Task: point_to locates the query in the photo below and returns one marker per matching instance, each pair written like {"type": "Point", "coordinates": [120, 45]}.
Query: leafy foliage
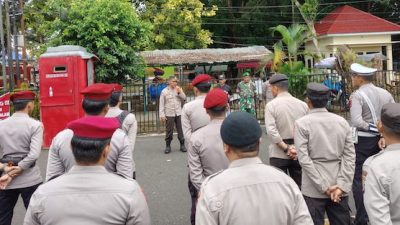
{"type": "Point", "coordinates": [178, 23]}
{"type": "Point", "coordinates": [108, 28]}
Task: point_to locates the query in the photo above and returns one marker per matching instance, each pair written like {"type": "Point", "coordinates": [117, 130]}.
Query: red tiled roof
{"type": "Point", "coordinates": [346, 19]}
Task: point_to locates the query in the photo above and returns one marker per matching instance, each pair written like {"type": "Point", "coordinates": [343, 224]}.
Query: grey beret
{"type": "Point", "coordinates": [277, 78]}
{"type": "Point", "coordinates": [317, 91]}
{"type": "Point", "coordinates": [390, 116]}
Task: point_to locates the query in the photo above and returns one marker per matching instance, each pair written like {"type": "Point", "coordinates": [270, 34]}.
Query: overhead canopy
{"type": "Point", "coordinates": [205, 56]}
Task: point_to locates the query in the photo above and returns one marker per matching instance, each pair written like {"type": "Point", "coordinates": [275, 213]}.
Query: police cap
{"type": "Point", "coordinates": [390, 116]}
{"type": "Point", "coordinates": [362, 70]}
{"type": "Point", "coordinates": [277, 78]}
{"type": "Point", "coordinates": [317, 91]}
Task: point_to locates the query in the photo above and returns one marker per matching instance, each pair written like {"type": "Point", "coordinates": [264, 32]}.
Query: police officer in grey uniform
{"type": "Point", "coordinates": [194, 117]}
{"type": "Point", "coordinates": [326, 154]}
{"type": "Point", "coordinates": [280, 115]}
{"type": "Point", "coordinates": [127, 120]}
{"type": "Point", "coordinates": [21, 139]}
{"type": "Point", "coordinates": [120, 159]}
{"type": "Point", "coordinates": [382, 182]}
{"type": "Point", "coordinates": [88, 194]}
{"type": "Point", "coordinates": [249, 192]}
{"type": "Point", "coordinates": [206, 154]}
{"type": "Point", "coordinates": [365, 110]}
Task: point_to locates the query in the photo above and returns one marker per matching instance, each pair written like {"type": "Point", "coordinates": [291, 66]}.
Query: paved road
{"type": "Point", "coordinates": [163, 178]}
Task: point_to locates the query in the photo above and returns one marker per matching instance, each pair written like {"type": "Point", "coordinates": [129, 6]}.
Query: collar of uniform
{"type": "Point", "coordinates": [245, 161]}
{"type": "Point", "coordinates": [20, 114]}
{"type": "Point", "coordinates": [216, 121]}
{"type": "Point", "coordinates": [88, 169]}
{"type": "Point", "coordinates": [201, 97]}
{"type": "Point", "coordinates": [283, 94]}
{"type": "Point", "coordinates": [317, 110]}
{"type": "Point", "coordinates": [367, 85]}
{"type": "Point", "coordinates": [393, 147]}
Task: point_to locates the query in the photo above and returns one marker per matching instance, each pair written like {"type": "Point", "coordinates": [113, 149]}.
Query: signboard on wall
{"type": "Point", "coordinates": [4, 106]}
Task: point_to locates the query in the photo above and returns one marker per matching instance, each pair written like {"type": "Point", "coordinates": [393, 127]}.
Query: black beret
{"type": "Point", "coordinates": [317, 91]}
{"type": "Point", "coordinates": [277, 78]}
{"type": "Point", "coordinates": [240, 129]}
{"type": "Point", "coordinates": [390, 116]}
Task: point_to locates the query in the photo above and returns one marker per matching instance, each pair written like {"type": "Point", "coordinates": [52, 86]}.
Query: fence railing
{"type": "Point", "coordinates": [138, 99]}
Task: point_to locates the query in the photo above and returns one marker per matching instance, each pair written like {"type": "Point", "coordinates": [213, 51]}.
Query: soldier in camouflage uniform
{"type": "Point", "coordinates": [247, 91]}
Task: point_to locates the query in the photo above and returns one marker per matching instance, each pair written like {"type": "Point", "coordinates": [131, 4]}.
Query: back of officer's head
{"type": "Point", "coordinates": [281, 81]}
{"type": "Point", "coordinates": [241, 133]}
{"type": "Point", "coordinates": [116, 95]}
{"type": "Point", "coordinates": [91, 138]}
{"type": "Point", "coordinates": [202, 83]}
{"type": "Point", "coordinates": [318, 94]}
{"type": "Point", "coordinates": [216, 103]}
{"type": "Point", "coordinates": [390, 120]}
{"type": "Point", "coordinates": [22, 100]}
{"type": "Point", "coordinates": [96, 98]}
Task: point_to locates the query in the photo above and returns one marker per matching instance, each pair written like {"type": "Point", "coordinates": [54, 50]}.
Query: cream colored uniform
{"type": "Point", "coordinates": [129, 126]}
{"type": "Point", "coordinates": [22, 136]}
{"type": "Point", "coordinates": [88, 195]}
{"type": "Point", "coordinates": [206, 154]}
{"type": "Point", "coordinates": [61, 158]}
{"type": "Point", "coordinates": [382, 186]}
{"type": "Point", "coordinates": [249, 192]}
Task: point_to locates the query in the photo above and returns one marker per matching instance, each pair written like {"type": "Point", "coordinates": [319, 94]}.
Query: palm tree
{"type": "Point", "coordinates": [293, 37]}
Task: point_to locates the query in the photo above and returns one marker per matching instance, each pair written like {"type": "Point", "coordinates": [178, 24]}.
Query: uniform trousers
{"type": "Point", "coordinates": [288, 166]}
{"type": "Point", "coordinates": [8, 199]}
{"type": "Point", "coordinates": [338, 213]}
{"type": "Point", "coordinates": [366, 147]}
{"type": "Point", "coordinates": [193, 194]}
{"type": "Point", "coordinates": [170, 123]}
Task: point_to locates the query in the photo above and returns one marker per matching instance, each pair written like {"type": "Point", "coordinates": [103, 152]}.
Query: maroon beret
{"type": "Point", "coordinates": [216, 98]}
{"type": "Point", "coordinates": [99, 91]}
{"type": "Point", "coordinates": [201, 78]}
{"type": "Point", "coordinates": [117, 87]}
{"type": "Point", "coordinates": [94, 127]}
{"type": "Point", "coordinates": [22, 95]}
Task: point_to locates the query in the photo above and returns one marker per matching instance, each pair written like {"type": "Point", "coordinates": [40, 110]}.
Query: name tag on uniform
{"type": "Point", "coordinates": [354, 135]}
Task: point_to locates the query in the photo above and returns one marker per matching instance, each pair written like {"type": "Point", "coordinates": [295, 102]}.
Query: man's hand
{"type": "Point", "coordinates": [4, 181]}
{"type": "Point", "coordinates": [382, 143]}
{"type": "Point", "coordinates": [163, 119]}
{"type": "Point", "coordinates": [14, 171]}
{"type": "Point", "coordinates": [178, 89]}
{"type": "Point", "coordinates": [336, 195]}
{"type": "Point", "coordinates": [292, 153]}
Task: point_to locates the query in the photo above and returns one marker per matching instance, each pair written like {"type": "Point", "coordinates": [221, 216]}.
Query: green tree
{"type": "Point", "coordinates": [110, 29]}
{"type": "Point", "coordinates": [178, 23]}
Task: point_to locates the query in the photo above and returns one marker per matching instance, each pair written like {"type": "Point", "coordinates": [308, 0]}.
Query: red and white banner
{"type": "Point", "coordinates": [4, 106]}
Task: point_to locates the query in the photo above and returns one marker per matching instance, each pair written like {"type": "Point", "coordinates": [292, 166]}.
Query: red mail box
{"type": "Point", "coordinates": [63, 72]}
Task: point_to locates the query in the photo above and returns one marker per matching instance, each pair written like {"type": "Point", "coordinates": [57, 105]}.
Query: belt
{"type": "Point", "coordinates": [366, 134]}
{"type": "Point", "coordinates": [13, 161]}
{"type": "Point", "coordinates": [289, 141]}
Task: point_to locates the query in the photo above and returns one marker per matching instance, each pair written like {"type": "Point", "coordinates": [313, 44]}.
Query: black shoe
{"type": "Point", "coordinates": [167, 149]}
{"type": "Point", "coordinates": [183, 149]}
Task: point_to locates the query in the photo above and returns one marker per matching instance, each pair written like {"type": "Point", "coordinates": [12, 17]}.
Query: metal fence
{"type": "Point", "coordinates": [138, 100]}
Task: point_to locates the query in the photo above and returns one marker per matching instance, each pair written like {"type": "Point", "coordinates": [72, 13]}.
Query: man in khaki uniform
{"type": "Point", "coordinates": [365, 120]}
{"type": "Point", "coordinates": [248, 192]}
{"type": "Point", "coordinates": [280, 115]}
{"type": "Point", "coordinates": [21, 139]}
{"type": "Point", "coordinates": [326, 154]}
{"type": "Point", "coordinates": [127, 120]}
{"type": "Point", "coordinates": [119, 161]}
{"type": "Point", "coordinates": [206, 154]}
{"type": "Point", "coordinates": [170, 110]}
{"type": "Point", "coordinates": [382, 182]}
{"type": "Point", "coordinates": [194, 117]}
{"type": "Point", "coordinates": [88, 194]}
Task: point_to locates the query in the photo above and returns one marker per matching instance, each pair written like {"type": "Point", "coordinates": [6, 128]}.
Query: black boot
{"type": "Point", "coordinates": [167, 148]}
{"type": "Point", "coordinates": [183, 149]}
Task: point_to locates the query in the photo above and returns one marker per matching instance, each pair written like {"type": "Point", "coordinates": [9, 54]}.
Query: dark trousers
{"type": "Point", "coordinates": [170, 123]}
{"type": "Point", "coordinates": [288, 166]}
{"type": "Point", "coordinates": [338, 213]}
{"type": "Point", "coordinates": [193, 194]}
{"type": "Point", "coordinates": [8, 199]}
{"type": "Point", "coordinates": [366, 147]}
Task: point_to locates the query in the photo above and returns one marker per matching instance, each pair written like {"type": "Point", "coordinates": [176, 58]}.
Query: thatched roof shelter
{"type": "Point", "coordinates": [205, 56]}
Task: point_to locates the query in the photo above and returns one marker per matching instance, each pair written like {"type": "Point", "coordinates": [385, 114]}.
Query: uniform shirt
{"type": "Point", "coordinates": [129, 126]}
{"type": "Point", "coordinates": [226, 88]}
{"type": "Point", "coordinates": [194, 116]}
{"type": "Point", "coordinates": [21, 136]}
{"type": "Point", "coordinates": [325, 152]}
{"type": "Point", "coordinates": [171, 102]}
{"type": "Point", "coordinates": [249, 192]}
{"type": "Point", "coordinates": [280, 115]}
{"type": "Point", "coordinates": [88, 195]}
{"type": "Point", "coordinates": [206, 154]}
{"type": "Point", "coordinates": [267, 93]}
{"type": "Point", "coordinates": [61, 158]}
{"type": "Point", "coordinates": [382, 187]}
{"type": "Point", "coordinates": [359, 110]}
